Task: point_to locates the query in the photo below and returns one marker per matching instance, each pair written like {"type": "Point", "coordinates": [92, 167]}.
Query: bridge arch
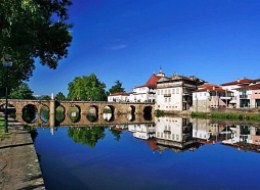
{"type": "Point", "coordinates": [147, 112]}
{"type": "Point", "coordinates": [29, 113]}
{"type": "Point", "coordinates": [44, 113]}
{"type": "Point", "coordinates": [60, 113]}
{"type": "Point", "coordinates": [131, 109]}
{"type": "Point", "coordinates": [109, 113]}
{"type": "Point", "coordinates": [92, 113]}
{"type": "Point", "coordinates": [74, 113]}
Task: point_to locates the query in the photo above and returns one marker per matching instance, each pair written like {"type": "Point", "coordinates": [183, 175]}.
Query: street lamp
{"type": "Point", "coordinates": [7, 63]}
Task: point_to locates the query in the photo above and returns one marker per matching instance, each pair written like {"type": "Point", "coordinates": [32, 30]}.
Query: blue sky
{"type": "Point", "coordinates": [129, 40]}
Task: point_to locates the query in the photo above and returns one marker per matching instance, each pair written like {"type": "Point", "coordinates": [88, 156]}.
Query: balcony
{"type": "Point", "coordinates": [243, 96]}
{"type": "Point", "coordinates": [167, 95]}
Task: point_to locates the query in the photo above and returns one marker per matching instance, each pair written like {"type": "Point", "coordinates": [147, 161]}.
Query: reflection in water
{"type": "Point", "coordinates": [121, 155]}
{"type": "Point", "coordinates": [175, 133]}
{"type": "Point", "coordinates": [131, 117]}
{"type": "Point", "coordinates": [107, 116]}
{"type": "Point", "coordinates": [86, 135]}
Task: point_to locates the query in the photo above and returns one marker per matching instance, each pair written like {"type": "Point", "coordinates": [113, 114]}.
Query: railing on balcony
{"type": "Point", "coordinates": [167, 95]}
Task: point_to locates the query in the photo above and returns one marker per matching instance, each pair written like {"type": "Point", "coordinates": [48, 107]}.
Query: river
{"type": "Point", "coordinates": [167, 153]}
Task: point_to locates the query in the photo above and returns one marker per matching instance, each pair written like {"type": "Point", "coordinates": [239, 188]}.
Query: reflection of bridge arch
{"type": "Point", "coordinates": [84, 106]}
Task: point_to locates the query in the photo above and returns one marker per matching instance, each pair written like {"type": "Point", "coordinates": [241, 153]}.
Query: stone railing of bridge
{"type": "Point", "coordinates": [84, 107]}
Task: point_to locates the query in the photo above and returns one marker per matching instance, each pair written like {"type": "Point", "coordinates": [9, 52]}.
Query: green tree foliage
{"type": "Point", "coordinates": [87, 88]}
{"type": "Point", "coordinates": [87, 136]}
{"type": "Point", "coordinates": [45, 97]}
{"type": "Point", "coordinates": [22, 91]}
{"type": "Point", "coordinates": [60, 96]}
{"type": "Point", "coordinates": [116, 88]}
{"type": "Point", "coordinates": [33, 29]}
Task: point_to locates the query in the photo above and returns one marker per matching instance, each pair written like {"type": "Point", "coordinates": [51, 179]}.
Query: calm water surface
{"type": "Point", "coordinates": [171, 153]}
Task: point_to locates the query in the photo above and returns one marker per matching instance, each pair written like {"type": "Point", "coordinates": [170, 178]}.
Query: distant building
{"type": "Point", "coordinates": [210, 96]}
{"type": "Point", "coordinates": [239, 98]}
{"type": "Point", "coordinates": [249, 96]}
{"type": "Point", "coordinates": [118, 97]}
{"type": "Point", "coordinates": [175, 93]}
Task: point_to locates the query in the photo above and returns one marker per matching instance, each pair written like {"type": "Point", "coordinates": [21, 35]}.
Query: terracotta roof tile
{"type": "Point", "coordinates": [152, 82]}
{"type": "Point", "coordinates": [120, 93]}
{"type": "Point", "coordinates": [238, 82]}
{"type": "Point", "coordinates": [250, 87]}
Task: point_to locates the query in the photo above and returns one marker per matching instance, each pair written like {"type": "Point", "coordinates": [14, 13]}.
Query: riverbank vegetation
{"type": "Point", "coordinates": [228, 115]}
{"type": "Point", "coordinates": [2, 132]}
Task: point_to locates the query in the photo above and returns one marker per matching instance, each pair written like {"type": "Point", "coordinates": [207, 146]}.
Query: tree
{"type": "Point", "coordinates": [87, 88]}
{"type": "Point", "coordinates": [60, 96]}
{"type": "Point", "coordinates": [33, 29]}
{"type": "Point", "coordinates": [116, 88]}
{"type": "Point", "coordinates": [23, 91]}
{"type": "Point", "coordinates": [45, 97]}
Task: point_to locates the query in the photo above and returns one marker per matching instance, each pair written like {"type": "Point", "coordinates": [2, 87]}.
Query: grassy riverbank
{"type": "Point", "coordinates": [2, 132]}
{"type": "Point", "coordinates": [238, 116]}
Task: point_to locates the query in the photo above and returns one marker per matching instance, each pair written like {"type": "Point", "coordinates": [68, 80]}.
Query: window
{"type": "Point", "coordinates": [177, 91]}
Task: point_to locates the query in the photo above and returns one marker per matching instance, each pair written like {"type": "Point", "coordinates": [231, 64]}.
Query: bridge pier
{"type": "Point", "coordinates": [52, 113]}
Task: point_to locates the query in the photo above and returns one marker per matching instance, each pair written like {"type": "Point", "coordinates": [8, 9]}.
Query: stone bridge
{"type": "Point", "coordinates": [119, 111]}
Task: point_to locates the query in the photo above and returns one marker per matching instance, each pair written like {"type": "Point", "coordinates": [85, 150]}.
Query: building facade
{"type": "Point", "coordinates": [175, 93]}
{"type": "Point", "coordinates": [210, 96]}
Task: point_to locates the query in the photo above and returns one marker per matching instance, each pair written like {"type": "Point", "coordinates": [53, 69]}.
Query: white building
{"type": "Point", "coordinates": [233, 86]}
{"type": "Point", "coordinates": [118, 97]}
{"type": "Point", "coordinates": [210, 96]}
{"type": "Point", "coordinates": [175, 93]}
{"type": "Point", "coordinates": [146, 92]}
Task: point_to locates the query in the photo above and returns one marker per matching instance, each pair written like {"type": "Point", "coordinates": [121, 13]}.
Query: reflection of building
{"type": "Point", "coordinates": [244, 137]}
{"type": "Point", "coordinates": [208, 132]}
{"type": "Point", "coordinates": [142, 131]}
{"type": "Point", "coordinates": [174, 133]}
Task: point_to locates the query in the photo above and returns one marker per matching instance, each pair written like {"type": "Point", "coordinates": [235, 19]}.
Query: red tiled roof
{"type": "Point", "coordinates": [208, 85]}
{"type": "Point", "coordinates": [237, 82]}
{"type": "Point", "coordinates": [250, 87]}
{"type": "Point", "coordinates": [212, 88]}
{"type": "Point", "coordinates": [152, 82]}
{"type": "Point", "coordinates": [119, 93]}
